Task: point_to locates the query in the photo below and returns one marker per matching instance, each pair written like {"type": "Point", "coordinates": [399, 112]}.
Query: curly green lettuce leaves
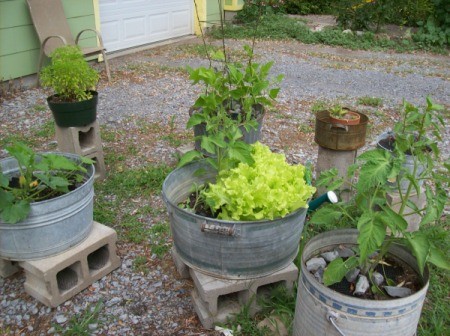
{"type": "Point", "coordinates": [267, 189]}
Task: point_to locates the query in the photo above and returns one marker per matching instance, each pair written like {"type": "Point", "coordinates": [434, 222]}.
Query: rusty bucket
{"type": "Point", "coordinates": [340, 137]}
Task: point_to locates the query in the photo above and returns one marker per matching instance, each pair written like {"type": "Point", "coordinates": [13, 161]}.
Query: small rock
{"type": "Point", "coordinates": [319, 275]}
{"type": "Point", "coordinates": [93, 326]}
{"type": "Point", "coordinates": [362, 285]}
{"type": "Point", "coordinates": [113, 301]}
{"type": "Point", "coordinates": [359, 33]}
{"type": "Point", "coordinates": [352, 274]}
{"type": "Point", "coordinates": [61, 319]}
{"type": "Point", "coordinates": [399, 292]}
{"type": "Point", "coordinates": [330, 256]}
{"type": "Point", "coordinates": [347, 31]}
{"type": "Point", "coordinates": [314, 264]}
{"type": "Point", "coordinates": [345, 252]}
{"type": "Point", "coordinates": [377, 278]}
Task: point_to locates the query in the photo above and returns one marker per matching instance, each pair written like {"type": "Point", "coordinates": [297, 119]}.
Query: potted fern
{"type": "Point", "coordinates": [375, 277]}
{"type": "Point", "coordinates": [74, 102]}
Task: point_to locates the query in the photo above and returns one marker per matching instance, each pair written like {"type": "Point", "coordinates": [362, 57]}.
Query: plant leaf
{"type": "Point", "coordinates": [189, 157]}
{"type": "Point", "coordinates": [438, 258]}
{"type": "Point", "coordinates": [337, 269]}
{"type": "Point", "coordinates": [372, 232]}
{"type": "Point", "coordinates": [16, 212]}
{"type": "Point", "coordinates": [420, 247]}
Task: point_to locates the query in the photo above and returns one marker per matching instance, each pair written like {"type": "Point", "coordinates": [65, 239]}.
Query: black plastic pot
{"type": "Point", "coordinates": [77, 114]}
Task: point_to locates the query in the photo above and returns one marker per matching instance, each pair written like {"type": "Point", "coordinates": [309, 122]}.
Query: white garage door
{"type": "Point", "coordinates": [131, 23]}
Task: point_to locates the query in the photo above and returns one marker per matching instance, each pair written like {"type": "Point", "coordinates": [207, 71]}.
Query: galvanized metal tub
{"type": "Point", "coordinates": [228, 249]}
{"type": "Point", "coordinates": [319, 309]}
{"type": "Point", "coordinates": [340, 137]}
{"type": "Point", "coordinates": [52, 226]}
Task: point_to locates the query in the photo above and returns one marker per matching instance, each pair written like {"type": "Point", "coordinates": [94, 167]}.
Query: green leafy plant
{"type": "Point", "coordinates": [378, 224]}
{"type": "Point", "coordinates": [69, 75]}
{"type": "Point", "coordinates": [41, 177]}
{"type": "Point", "coordinates": [235, 97]}
{"type": "Point", "coordinates": [267, 189]}
{"type": "Point", "coordinates": [337, 111]}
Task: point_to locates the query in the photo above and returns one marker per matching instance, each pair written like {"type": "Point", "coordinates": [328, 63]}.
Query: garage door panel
{"type": "Point", "coordinates": [180, 19]}
{"type": "Point", "coordinates": [129, 23]}
{"type": "Point", "coordinates": [134, 27]}
{"type": "Point", "coordinates": [159, 23]}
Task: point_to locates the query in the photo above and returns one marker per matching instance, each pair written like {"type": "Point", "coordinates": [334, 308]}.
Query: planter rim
{"type": "Point", "coordinates": [353, 300]}
{"type": "Point", "coordinates": [202, 163]}
{"type": "Point", "coordinates": [49, 98]}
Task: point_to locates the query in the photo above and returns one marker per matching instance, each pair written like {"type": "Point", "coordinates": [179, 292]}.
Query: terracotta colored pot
{"type": "Point", "coordinates": [350, 118]}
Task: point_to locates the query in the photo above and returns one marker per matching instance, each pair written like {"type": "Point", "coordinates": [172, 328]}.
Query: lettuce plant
{"type": "Point", "coordinates": [267, 189]}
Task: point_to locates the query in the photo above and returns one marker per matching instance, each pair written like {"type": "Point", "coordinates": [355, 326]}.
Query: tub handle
{"type": "Point", "coordinates": [332, 317]}
{"type": "Point", "coordinates": [217, 229]}
{"type": "Point", "coordinates": [344, 127]}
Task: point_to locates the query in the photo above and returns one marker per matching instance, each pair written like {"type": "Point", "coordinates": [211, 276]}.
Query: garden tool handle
{"type": "Point", "coordinates": [332, 317]}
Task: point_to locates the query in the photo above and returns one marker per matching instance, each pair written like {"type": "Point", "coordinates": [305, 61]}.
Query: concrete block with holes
{"type": "Point", "coordinates": [8, 268]}
{"type": "Point", "coordinates": [56, 279]}
{"type": "Point", "coordinates": [216, 299]}
{"type": "Point", "coordinates": [394, 201]}
{"type": "Point", "coordinates": [85, 141]}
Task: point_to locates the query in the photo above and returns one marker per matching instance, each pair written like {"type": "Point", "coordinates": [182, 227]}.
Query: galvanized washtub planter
{"type": "Point", "coordinates": [52, 226]}
{"type": "Point", "coordinates": [228, 249]}
{"type": "Point", "coordinates": [319, 309]}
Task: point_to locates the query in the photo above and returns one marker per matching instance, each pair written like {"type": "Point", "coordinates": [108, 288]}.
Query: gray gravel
{"type": "Point", "coordinates": [158, 303]}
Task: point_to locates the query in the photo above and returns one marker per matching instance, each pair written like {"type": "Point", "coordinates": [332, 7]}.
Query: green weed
{"type": "Point", "coordinates": [39, 108]}
{"type": "Point", "coordinates": [79, 324]}
{"type": "Point", "coordinates": [319, 106]}
{"type": "Point", "coordinates": [370, 101]}
{"type": "Point", "coordinates": [140, 264]}
{"type": "Point", "coordinates": [47, 130]}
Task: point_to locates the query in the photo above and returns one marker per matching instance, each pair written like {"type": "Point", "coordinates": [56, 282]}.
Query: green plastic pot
{"type": "Point", "coordinates": [77, 114]}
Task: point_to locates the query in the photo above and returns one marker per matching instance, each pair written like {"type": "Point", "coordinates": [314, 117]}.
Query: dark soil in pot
{"type": "Point", "coordinates": [399, 273]}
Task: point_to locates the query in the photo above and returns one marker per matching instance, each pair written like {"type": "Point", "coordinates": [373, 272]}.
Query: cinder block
{"type": "Point", "coordinates": [341, 160]}
{"type": "Point", "coordinates": [394, 200]}
{"type": "Point", "coordinates": [8, 268]}
{"type": "Point", "coordinates": [85, 141]}
{"type": "Point", "coordinates": [79, 140]}
{"type": "Point", "coordinates": [227, 308]}
{"type": "Point", "coordinates": [182, 268]}
{"type": "Point", "coordinates": [56, 279]}
{"type": "Point", "coordinates": [216, 299]}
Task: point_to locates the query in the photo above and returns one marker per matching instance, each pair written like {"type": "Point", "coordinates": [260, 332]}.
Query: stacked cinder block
{"type": "Point", "coordinates": [55, 279]}
{"type": "Point", "coordinates": [216, 299]}
{"type": "Point", "coordinates": [85, 141]}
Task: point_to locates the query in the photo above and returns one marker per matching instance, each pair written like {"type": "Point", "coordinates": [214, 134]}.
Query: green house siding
{"type": "Point", "coordinates": [19, 44]}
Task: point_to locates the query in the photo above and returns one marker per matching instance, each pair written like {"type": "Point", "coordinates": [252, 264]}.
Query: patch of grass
{"type": "Point", "coordinates": [319, 106]}
{"type": "Point", "coordinates": [121, 201]}
{"type": "Point", "coordinates": [78, 325]}
{"type": "Point", "coordinates": [305, 128]}
{"type": "Point", "coordinates": [370, 101]}
{"type": "Point", "coordinates": [281, 27]}
{"type": "Point", "coordinates": [140, 264]}
{"type": "Point", "coordinates": [159, 234]}
{"type": "Point", "coordinates": [47, 130]}
{"type": "Point", "coordinates": [39, 108]}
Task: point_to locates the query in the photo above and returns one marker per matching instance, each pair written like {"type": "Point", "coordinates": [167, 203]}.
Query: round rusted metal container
{"type": "Point", "coordinates": [340, 137]}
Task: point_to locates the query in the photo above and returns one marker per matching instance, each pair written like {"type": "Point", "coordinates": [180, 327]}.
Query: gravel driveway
{"type": "Point", "coordinates": [150, 86]}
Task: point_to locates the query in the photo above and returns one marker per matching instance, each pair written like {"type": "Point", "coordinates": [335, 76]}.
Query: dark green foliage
{"type": "Point", "coordinates": [304, 7]}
